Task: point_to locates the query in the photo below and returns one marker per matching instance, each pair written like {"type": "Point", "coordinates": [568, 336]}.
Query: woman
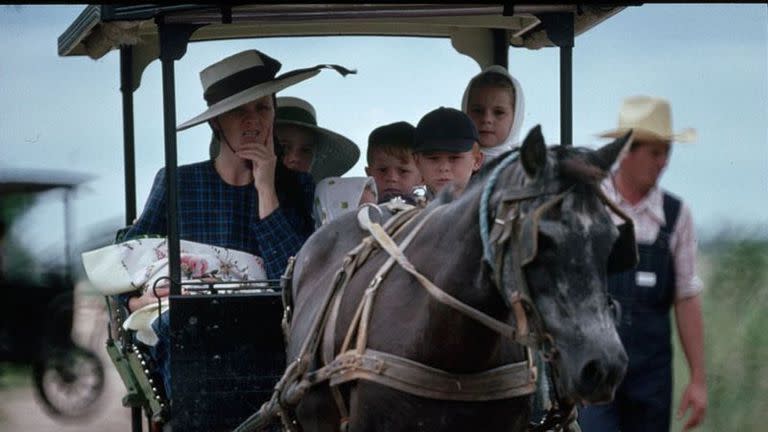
{"type": "Point", "coordinates": [243, 199]}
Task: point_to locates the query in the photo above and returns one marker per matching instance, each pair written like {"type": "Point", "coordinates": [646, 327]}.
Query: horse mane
{"type": "Point", "coordinates": [576, 167]}
{"type": "Point", "coordinates": [481, 175]}
{"type": "Point", "coordinates": [572, 164]}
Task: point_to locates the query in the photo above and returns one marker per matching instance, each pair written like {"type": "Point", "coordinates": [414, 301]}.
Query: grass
{"type": "Point", "coordinates": [734, 305]}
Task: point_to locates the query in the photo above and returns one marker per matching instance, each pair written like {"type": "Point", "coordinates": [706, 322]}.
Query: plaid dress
{"type": "Point", "coordinates": [216, 213]}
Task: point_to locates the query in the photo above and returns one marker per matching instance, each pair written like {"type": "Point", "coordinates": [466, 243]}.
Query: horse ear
{"type": "Point", "coordinates": [533, 153]}
{"type": "Point", "coordinates": [605, 156]}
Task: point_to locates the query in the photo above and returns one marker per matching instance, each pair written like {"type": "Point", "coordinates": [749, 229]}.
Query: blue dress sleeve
{"type": "Point", "coordinates": [151, 221]}
{"type": "Point", "coordinates": [281, 234]}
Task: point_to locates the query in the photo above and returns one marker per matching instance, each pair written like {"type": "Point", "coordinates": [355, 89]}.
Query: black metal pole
{"type": "Point", "coordinates": [566, 95]}
{"type": "Point", "coordinates": [129, 153]}
{"type": "Point", "coordinates": [501, 47]}
{"type": "Point", "coordinates": [171, 183]}
{"type": "Point", "coordinates": [560, 29]}
{"type": "Point", "coordinates": [173, 45]}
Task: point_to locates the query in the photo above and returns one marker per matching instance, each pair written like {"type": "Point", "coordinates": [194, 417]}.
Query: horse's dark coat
{"type": "Point", "coordinates": [567, 283]}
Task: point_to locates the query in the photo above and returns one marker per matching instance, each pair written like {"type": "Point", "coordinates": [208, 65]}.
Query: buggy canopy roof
{"type": "Point", "coordinates": [100, 29]}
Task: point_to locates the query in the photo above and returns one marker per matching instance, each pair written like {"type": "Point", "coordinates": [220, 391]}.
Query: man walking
{"type": "Point", "coordinates": [664, 279]}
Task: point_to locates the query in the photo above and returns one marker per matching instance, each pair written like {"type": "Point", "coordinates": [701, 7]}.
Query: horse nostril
{"type": "Point", "coordinates": [598, 378]}
{"type": "Point", "coordinates": [592, 376]}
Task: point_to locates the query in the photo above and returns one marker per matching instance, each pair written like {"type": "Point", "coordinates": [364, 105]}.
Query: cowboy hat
{"type": "Point", "coordinates": [649, 118]}
{"type": "Point", "coordinates": [334, 154]}
{"type": "Point", "coordinates": [246, 77]}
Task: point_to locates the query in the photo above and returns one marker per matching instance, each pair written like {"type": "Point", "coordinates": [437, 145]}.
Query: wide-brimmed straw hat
{"type": "Point", "coordinates": [334, 153]}
{"type": "Point", "coordinates": [246, 77]}
{"type": "Point", "coordinates": [649, 118]}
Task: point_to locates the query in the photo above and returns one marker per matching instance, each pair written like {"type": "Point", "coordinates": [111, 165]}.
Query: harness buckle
{"type": "Point", "coordinates": [375, 282]}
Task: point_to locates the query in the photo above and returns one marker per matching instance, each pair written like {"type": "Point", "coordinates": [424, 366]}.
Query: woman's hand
{"type": "Point", "coordinates": [149, 297]}
{"type": "Point", "coordinates": [264, 161]}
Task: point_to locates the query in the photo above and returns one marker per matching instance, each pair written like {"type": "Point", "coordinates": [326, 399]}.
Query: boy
{"type": "Point", "coordinates": [446, 150]}
{"type": "Point", "coordinates": [390, 160]}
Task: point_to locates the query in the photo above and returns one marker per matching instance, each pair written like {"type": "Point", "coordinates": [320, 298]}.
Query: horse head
{"type": "Point", "coordinates": [551, 244]}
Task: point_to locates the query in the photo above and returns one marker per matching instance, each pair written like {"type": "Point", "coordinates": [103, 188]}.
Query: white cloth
{"type": "Point", "coordinates": [648, 217]}
{"type": "Point", "coordinates": [513, 139]}
{"type": "Point", "coordinates": [335, 196]}
{"type": "Point", "coordinates": [141, 321]}
{"type": "Point", "coordinates": [140, 263]}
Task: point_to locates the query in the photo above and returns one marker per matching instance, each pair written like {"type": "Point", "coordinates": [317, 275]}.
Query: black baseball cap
{"type": "Point", "coordinates": [445, 129]}
{"type": "Point", "coordinates": [393, 133]}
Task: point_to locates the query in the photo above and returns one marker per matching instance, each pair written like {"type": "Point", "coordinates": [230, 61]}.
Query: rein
{"type": "Point", "coordinates": [483, 209]}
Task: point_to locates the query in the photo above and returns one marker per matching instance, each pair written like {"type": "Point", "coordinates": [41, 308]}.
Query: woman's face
{"type": "Point", "coordinates": [298, 147]}
{"type": "Point", "coordinates": [247, 124]}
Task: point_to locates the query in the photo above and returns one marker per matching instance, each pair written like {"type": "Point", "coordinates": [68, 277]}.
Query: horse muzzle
{"type": "Point", "coordinates": [595, 378]}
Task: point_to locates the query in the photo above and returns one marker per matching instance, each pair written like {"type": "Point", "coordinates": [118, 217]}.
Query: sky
{"type": "Point", "coordinates": [710, 61]}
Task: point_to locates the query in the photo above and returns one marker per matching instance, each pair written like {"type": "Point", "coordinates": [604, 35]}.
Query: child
{"type": "Point", "coordinates": [307, 147]}
{"type": "Point", "coordinates": [390, 160]}
{"type": "Point", "coordinates": [446, 150]}
{"type": "Point", "coordinates": [335, 196]}
{"type": "Point", "coordinates": [494, 101]}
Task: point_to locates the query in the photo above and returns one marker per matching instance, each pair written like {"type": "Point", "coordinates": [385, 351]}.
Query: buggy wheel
{"type": "Point", "coordinates": [69, 382]}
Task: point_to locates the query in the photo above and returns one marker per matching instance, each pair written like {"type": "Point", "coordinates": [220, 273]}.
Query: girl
{"type": "Point", "coordinates": [494, 100]}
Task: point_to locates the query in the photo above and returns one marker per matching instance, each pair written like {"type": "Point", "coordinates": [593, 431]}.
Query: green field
{"type": "Point", "coordinates": [734, 302]}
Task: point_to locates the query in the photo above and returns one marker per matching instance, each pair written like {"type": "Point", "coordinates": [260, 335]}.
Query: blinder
{"type": "Point", "coordinates": [623, 255]}
{"type": "Point", "coordinates": [525, 228]}
{"type": "Point", "coordinates": [528, 240]}
{"type": "Point", "coordinates": [522, 231]}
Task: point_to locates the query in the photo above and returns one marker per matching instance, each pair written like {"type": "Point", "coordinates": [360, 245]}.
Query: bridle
{"type": "Point", "coordinates": [511, 224]}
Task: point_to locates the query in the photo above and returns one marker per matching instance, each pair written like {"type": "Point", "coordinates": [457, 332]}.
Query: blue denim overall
{"type": "Point", "coordinates": [643, 400]}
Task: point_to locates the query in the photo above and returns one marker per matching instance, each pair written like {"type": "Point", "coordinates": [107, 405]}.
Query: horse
{"type": "Point", "coordinates": [518, 261]}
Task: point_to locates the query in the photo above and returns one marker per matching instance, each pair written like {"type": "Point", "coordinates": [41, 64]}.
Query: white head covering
{"type": "Point", "coordinates": [335, 196]}
{"type": "Point", "coordinates": [517, 121]}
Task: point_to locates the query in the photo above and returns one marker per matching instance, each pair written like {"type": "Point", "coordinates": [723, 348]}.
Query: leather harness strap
{"type": "Point", "coordinates": [508, 381]}
{"type": "Point", "coordinates": [396, 253]}
{"type": "Point", "coordinates": [406, 375]}
{"type": "Point", "coordinates": [360, 362]}
{"type": "Point", "coordinates": [396, 224]}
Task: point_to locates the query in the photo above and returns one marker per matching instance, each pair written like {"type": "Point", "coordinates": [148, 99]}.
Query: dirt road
{"type": "Point", "coordinates": [21, 412]}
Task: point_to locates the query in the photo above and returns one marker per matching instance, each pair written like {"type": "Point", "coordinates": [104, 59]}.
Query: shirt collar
{"type": "Point", "coordinates": [652, 203]}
